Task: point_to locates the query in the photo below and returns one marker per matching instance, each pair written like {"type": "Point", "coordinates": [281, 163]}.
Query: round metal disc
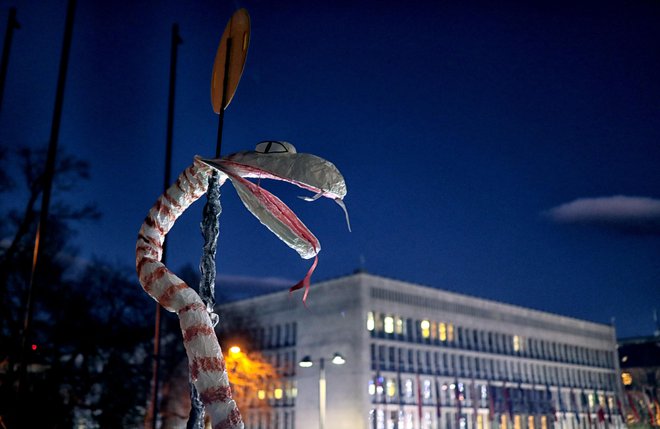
{"type": "Point", "coordinates": [238, 31]}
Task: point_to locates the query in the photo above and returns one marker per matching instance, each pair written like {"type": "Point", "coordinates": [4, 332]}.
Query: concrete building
{"type": "Point", "coordinates": [420, 358]}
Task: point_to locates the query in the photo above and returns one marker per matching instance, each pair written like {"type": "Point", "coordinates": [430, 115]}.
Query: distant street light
{"type": "Point", "coordinates": [307, 362]}
{"type": "Point", "coordinates": [234, 350]}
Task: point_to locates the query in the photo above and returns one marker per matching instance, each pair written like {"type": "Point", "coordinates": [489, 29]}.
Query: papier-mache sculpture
{"type": "Point", "coordinates": [271, 160]}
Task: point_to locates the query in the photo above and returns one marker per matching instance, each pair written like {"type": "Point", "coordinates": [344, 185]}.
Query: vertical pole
{"type": "Point", "coordinates": [12, 24]}
{"type": "Point", "coordinates": [210, 231]}
{"type": "Point", "coordinates": [212, 208]}
{"type": "Point", "coordinates": [322, 394]}
{"type": "Point", "coordinates": [221, 114]}
{"type": "Point", "coordinates": [47, 184]}
{"type": "Point", "coordinates": [155, 382]}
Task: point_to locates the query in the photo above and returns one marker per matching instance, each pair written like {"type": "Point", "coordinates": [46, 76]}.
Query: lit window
{"type": "Point", "coordinates": [408, 388]}
{"type": "Point", "coordinates": [291, 390]}
{"type": "Point", "coordinates": [426, 389]}
{"type": "Point", "coordinates": [517, 423]}
{"type": "Point", "coordinates": [277, 393]}
{"type": "Point", "coordinates": [426, 328]}
{"type": "Point", "coordinates": [399, 326]}
{"type": "Point", "coordinates": [372, 388]}
{"type": "Point", "coordinates": [434, 330]}
{"type": "Point", "coordinates": [544, 422]}
{"type": "Point", "coordinates": [409, 420]}
{"type": "Point", "coordinates": [371, 324]}
{"type": "Point", "coordinates": [442, 330]}
{"type": "Point", "coordinates": [626, 378]}
{"type": "Point", "coordinates": [391, 388]}
{"type": "Point", "coordinates": [379, 385]}
{"type": "Point", "coordinates": [450, 332]}
{"type": "Point", "coordinates": [261, 394]}
{"type": "Point", "coordinates": [516, 343]}
{"type": "Point", "coordinates": [388, 324]}
{"type": "Point", "coordinates": [428, 421]}
{"type": "Point", "coordinates": [503, 421]}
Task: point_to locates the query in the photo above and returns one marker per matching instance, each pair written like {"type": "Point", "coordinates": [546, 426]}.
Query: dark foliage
{"type": "Point", "coordinates": [88, 350]}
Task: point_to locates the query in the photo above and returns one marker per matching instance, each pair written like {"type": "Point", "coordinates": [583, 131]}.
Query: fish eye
{"type": "Point", "coordinates": [275, 147]}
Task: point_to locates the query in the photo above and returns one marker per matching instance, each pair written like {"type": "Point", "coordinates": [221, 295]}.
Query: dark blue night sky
{"type": "Point", "coordinates": [503, 150]}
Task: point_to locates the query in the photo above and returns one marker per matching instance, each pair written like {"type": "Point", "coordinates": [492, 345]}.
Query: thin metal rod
{"type": "Point", "coordinates": [210, 231]}
{"type": "Point", "coordinates": [12, 24]}
{"type": "Point", "coordinates": [212, 208]}
{"type": "Point", "coordinates": [49, 173]}
{"type": "Point", "coordinates": [155, 382]}
{"type": "Point", "coordinates": [221, 114]}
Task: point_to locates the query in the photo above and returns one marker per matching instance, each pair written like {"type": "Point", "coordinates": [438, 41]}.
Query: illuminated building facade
{"type": "Point", "coordinates": [423, 358]}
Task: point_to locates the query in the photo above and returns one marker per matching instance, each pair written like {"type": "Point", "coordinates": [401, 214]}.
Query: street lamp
{"type": "Point", "coordinates": [307, 362]}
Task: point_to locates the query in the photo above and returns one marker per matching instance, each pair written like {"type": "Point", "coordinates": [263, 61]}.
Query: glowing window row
{"type": "Point", "coordinates": [288, 390]}
{"type": "Point", "coordinates": [444, 332]}
{"type": "Point", "coordinates": [396, 325]}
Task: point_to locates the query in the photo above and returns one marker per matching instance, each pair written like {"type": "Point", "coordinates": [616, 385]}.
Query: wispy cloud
{"type": "Point", "coordinates": [624, 213]}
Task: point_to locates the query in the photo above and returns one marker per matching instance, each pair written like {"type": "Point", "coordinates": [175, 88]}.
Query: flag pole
{"type": "Point", "coordinates": [49, 173]}
{"type": "Point", "coordinates": [155, 381]}
{"type": "Point", "coordinates": [12, 24]}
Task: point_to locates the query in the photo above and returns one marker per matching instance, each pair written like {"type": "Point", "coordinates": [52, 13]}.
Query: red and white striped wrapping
{"type": "Point", "coordinates": [207, 365]}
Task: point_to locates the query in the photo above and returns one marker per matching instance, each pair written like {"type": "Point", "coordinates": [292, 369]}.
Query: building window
{"type": "Point", "coordinates": [409, 331]}
{"type": "Point", "coordinates": [626, 378]}
{"type": "Point", "coordinates": [516, 343]}
{"type": "Point", "coordinates": [450, 332]}
{"type": "Point", "coordinates": [399, 326]}
{"type": "Point", "coordinates": [427, 423]}
{"type": "Point", "coordinates": [408, 388]}
{"type": "Point", "coordinates": [425, 326]}
{"type": "Point", "coordinates": [480, 421]}
{"type": "Point", "coordinates": [391, 387]}
{"type": "Point", "coordinates": [379, 417]}
{"type": "Point", "coordinates": [517, 422]}
{"type": "Point", "coordinates": [426, 389]}
{"type": "Point", "coordinates": [371, 323]}
{"type": "Point", "coordinates": [503, 421]}
{"type": "Point", "coordinates": [442, 331]}
{"type": "Point", "coordinates": [388, 324]}
{"type": "Point", "coordinates": [409, 420]}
